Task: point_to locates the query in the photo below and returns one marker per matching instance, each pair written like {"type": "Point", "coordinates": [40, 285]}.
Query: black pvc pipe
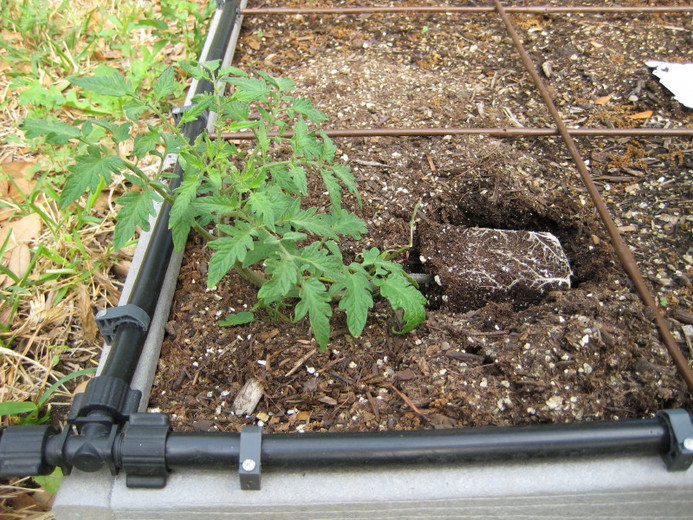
{"type": "Point", "coordinates": [127, 345]}
{"type": "Point", "coordinates": [221, 450]}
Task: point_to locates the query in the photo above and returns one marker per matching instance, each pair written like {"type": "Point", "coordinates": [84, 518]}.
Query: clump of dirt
{"type": "Point", "coordinates": [476, 266]}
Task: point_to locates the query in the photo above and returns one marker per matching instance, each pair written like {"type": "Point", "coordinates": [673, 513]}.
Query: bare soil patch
{"type": "Point", "coordinates": [587, 352]}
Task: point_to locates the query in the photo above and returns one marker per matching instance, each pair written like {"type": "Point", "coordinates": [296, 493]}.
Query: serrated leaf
{"type": "Point", "coordinates": [195, 71]}
{"type": "Point", "coordinates": [87, 171]}
{"type": "Point", "coordinates": [314, 301]}
{"type": "Point", "coordinates": [334, 189]}
{"type": "Point", "coordinates": [306, 108]}
{"type": "Point", "coordinates": [229, 250]}
{"type": "Point", "coordinates": [312, 222]}
{"type": "Point", "coordinates": [344, 174]}
{"type": "Point", "coordinates": [345, 223]}
{"type": "Point", "coordinates": [248, 89]}
{"type": "Point", "coordinates": [298, 175]}
{"type": "Point", "coordinates": [328, 148]}
{"type": "Point", "coordinates": [281, 84]}
{"type": "Point", "coordinates": [138, 206]}
{"type": "Point", "coordinates": [113, 84]}
{"type": "Point", "coordinates": [233, 71]}
{"type": "Point", "coordinates": [284, 277]}
{"type": "Point", "coordinates": [146, 143]}
{"type": "Point", "coordinates": [403, 295]}
{"type": "Point", "coordinates": [240, 318]}
{"type": "Point", "coordinates": [304, 144]}
{"type": "Point", "coordinates": [119, 133]}
{"type": "Point", "coordinates": [165, 85]}
{"type": "Point", "coordinates": [236, 111]}
{"type": "Point", "coordinates": [133, 109]}
{"type": "Point", "coordinates": [319, 262]}
{"type": "Point", "coordinates": [219, 205]}
{"type": "Point", "coordinates": [195, 111]}
{"type": "Point", "coordinates": [54, 132]}
{"type": "Point", "coordinates": [261, 204]}
{"type": "Point", "coordinates": [184, 196]}
{"type": "Point", "coordinates": [356, 301]}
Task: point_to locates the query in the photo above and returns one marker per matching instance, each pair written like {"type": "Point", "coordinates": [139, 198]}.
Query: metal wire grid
{"type": "Point", "coordinates": [623, 252]}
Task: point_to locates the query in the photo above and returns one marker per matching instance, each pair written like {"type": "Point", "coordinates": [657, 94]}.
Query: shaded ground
{"type": "Point", "coordinates": [584, 353]}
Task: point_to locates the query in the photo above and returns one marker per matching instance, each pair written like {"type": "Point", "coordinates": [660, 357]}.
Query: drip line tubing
{"type": "Point", "coordinates": [493, 132]}
{"type": "Point", "coordinates": [464, 9]}
{"type": "Point", "coordinates": [124, 354]}
{"type": "Point", "coordinates": [221, 450]}
{"type": "Point", "coordinates": [623, 252]}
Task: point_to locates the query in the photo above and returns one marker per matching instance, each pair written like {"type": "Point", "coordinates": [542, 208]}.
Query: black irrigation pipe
{"type": "Point", "coordinates": [105, 429]}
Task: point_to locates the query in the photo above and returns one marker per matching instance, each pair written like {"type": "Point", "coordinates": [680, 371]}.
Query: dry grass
{"type": "Point", "coordinates": [68, 269]}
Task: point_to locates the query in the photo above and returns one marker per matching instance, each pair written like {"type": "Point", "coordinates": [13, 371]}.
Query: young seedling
{"type": "Point", "coordinates": [249, 204]}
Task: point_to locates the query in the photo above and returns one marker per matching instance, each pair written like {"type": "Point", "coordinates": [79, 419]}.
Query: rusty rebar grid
{"type": "Point", "coordinates": [645, 9]}
{"type": "Point", "coordinates": [622, 250]}
{"type": "Point", "coordinates": [491, 132]}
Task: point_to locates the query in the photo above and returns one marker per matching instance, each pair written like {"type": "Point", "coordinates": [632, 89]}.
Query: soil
{"type": "Point", "coordinates": [585, 352]}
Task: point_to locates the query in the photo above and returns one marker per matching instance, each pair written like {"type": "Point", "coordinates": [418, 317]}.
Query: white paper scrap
{"type": "Point", "coordinates": [677, 77]}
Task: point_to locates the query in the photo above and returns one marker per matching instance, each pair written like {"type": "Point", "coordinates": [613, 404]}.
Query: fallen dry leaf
{"type": "Point", "coordinates": [18, 262]}
{"type": "Point", "coordinates": [86, 314]}
{"type": "Point", "coordinates": [23, 230]}
{"type": "Point", "coordinates": [642, 115]}
{"type": "Point", "coordinates": [602, 100]}
{"type": "Point", "coordinates": [21, 184]}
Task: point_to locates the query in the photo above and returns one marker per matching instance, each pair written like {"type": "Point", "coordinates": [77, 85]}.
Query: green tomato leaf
{"type": "Point", "coordinates": [221, 205]}
{"type": "Point", "coordinates": [343, 173]}
{"type": "Point", "coordinates": [328, 148]}
{"type": "Point", "coordinates": [113, 84]}
{"type": "Point", "coordinates": [87, 171]}
{"type": "Point", "coordinates": [313, 222]}
{"type": "Point", "coordinates": [262, 205]}
{"type": "Point", "coordinates": [306, 108]}
{"type": "Point", "coordinates": [138, 206]}
{"type": "Point", "coordinates": [303, 142]}
{"type": "Point", "coordinates": [248, 89]}
{"type": "Point", "coordinates": [54, 131]}
{"type": "Point", "coordinates": [356, 300]}
{"type": "Point", "coordinates": [281, 84]}
{"type": "Point", "coordinates": [284, 277]}
{"type": "Point", "coordinates": [229, 250]}
{"type": "Point", "coordinates": [146, 143]}
{"type": "Point", "coordinates": [345, 223]}
{"type": "Point", "coordinates": [240, 318]}
{"type": "Point", "coordinates": [165, 85]}
{"type": "Point", "coordinates": [315, 301]}
{"type": "Point", "coordinates": [403, 295]}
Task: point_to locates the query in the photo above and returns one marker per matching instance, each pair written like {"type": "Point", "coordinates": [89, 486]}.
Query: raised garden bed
{"type": "Point", "coordinates": [584, 353]}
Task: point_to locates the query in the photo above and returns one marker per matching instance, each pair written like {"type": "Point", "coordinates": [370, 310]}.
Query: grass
{"type": "Point", "coordinates": [56, 266]}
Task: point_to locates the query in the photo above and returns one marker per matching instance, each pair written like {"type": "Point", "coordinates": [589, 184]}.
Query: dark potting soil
{"type": "Point", "coordinates": [585, 352]}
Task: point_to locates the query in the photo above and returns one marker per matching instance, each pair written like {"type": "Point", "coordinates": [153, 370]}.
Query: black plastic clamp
{"type": "Point", "coordinates": [679, 456]}
{"type": "Point", "coordinates": [143, 450]}
{"type": "Point", "coordinates": [22, 451]}
{"type": "Point", "coordinates": [249, 457]}
{"type": "Point", "coordinates": [106, 394]}
{"type": "Point", "coordinates": [108, 320]}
